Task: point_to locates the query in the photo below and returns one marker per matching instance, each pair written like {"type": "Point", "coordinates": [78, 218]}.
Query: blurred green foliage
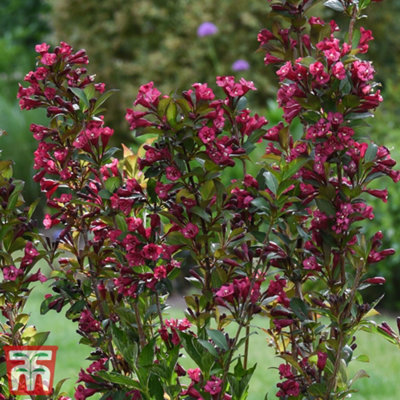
{"type": "Point", "coordinates": [132, 42]}
{"type": "Point", "coordinates": [23, 24]}
{"type": "Point", "coordinates": [18, 144]}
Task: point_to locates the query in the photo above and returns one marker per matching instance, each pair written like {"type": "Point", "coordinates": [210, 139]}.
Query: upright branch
{"type": "Point", "coordinates": [277, 236]}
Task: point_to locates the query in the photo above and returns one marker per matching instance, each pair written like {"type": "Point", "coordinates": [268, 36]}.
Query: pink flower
{"type": "Point", "coordinates": [288, 388]}
{"type": "Point", "coordinates": [48, 58]}
{"type": "Point", "coordinates": [42, 48]}
{"type": "Point", "coordinates": [180, 324]}
{"type": "Point", "coordinates": [366, 36]}
{"type": "Point", "coordinates": [206, 134]}
{"type": "Point", "coordinates": [250, 181]}
{"type": "Point", "coordinates": [338, 70]}
{"type": "Point", "coordinates": [282, 323]}
{"type": "Point", "coordinates": [151, 251]}
{"type": "Point", "coordinates": [87, 323]}
{"type": "Point", "coordinates": [377, 280]}
{"type": "Point", "coordinates": [203, 92]}
{"type": "Point", "coordinates": [311, 264]}
{"type": "Point", "coordinates": [265, 36]}
{"type": "Point", "coordinates": [172, 173]}
{"type": "Point", "coordinates": [162, 190]}
{"type": "Point", "coordinates": [316, 21]}
{"type": "Point", "coordinates": [285, 371]}
{"type": "Point", "coordinates": [11, 273]}
{"type": "Point", "coordinates": [37, 276]}
{"type": "Point", "coordinates": [160, 272]}
{"type": "Point", "coordinates": [148, 95]}
{"type": "Point", "coordinates": [136, 120]}
{"type": "Point", "coordinates": [194, 374]}
{"type": "Point", "coordinates": [213, 386]}
{"type": "Point", "coordinates": [226, 292]}
{"type": "Point", "coordinates": [100, 87]}
{"type": "Point", "coordinates": [48, 221]}
{"type": "Point", "coordinates": [190, 231]}
{"type": "Point", "coordinates": [97, 365]}
{"type": "Point", "coordinates": [363, 70]}
{"type": "Point", "coordinates": [81, 393]}
{"type": "Point", "coordinates": [322, 357]}
{"type": "Point", "coordinates": [380, 194]}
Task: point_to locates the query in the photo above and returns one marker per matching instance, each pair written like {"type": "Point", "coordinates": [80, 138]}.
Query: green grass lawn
{"type": "Point", "coordinates": [384, 366]}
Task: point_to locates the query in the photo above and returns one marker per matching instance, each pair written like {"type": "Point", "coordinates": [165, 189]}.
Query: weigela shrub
{"type": "Point", "coordinates": [285, 244]}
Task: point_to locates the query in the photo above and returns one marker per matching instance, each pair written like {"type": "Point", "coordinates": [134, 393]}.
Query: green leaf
{"type": "Point", "coordinates": [300, 308]}
{"type": "Point", "coordinates": [38, 339]}
{"type": "Point", "coordinates": [218, 338]}
{"type": "Point", "coordinates": [6, 170]}
{"type": "Point", "coordinates": [151, 185]}
{"type": "Point", "coordinates": [15, 195]}
{"type": "Point", "coordinates": [318, 389]}
{"type": "Point", "coordinates": [162, 106]}
{"type": "Point", "coordinates": [59, 385]}
{"type": "Point", "coordinates": [104, 194]}
{"type": "Point", "coordinates": [209, 347]}
{"type": "Point", "coordinates": [362, 358]}
{"type": "Point", "coordinates": [172, 112]}
{"type": "Point", "coordinates": [201, 213]}
{"type": "Point", "coordinates": [261, 203]}
{"type": "Point", "coordinates": [121, 223]}
{"type": "Point", "coordinates": [271, 182]}
{"type": "Point", "coordinates": [355, 116]}
{"type": "Point", "coordinates": [326, 206]}
{"type": "Point", "coordinates": [102, 99]}
{"type": "Point", "coordinates": [113, 183]}
{"type": "Point", "coordinates": [177, 237]}
{"type": "Point", "coordinates": [307, 61]}
{"type": "Point", "coordinates": [192, 349]}
{"type": "Point", "coordinates": [207, 189]}
{"type": "Point", "coordinates": [221, 190]}
{"type": "Point", "coordinates": [115, 377]}
{"type": "Point", "coordinates": [351, 101]}
{"type": "Point", "coordinates": [334, 5]}
{"type": "Point", "coordinates": [294, 167]}
{"type": "Point", "coordinates": [146, 356]}
{"type": "Point", "coordinates": [359, 374]}
{"type": "Point", "coordinates": [3, 369]}
{"type": "Point", "coordinates": [155, 388]}
{"type": "Point", "coordinates": [81, 96]}
{"type": "Point", "coordinates": [370, 154]}
{"type": "Point", "coordinates": [284, 137]}
{"type": "Point", "coordinates": [32, 208]}
{"type": "Point", "coordinates": [241, 104]}
{"type": "Point", "coordinates": [75, 310]}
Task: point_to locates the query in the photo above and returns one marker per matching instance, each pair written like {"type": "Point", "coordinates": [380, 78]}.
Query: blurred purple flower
{"type": "Point", "coordinates": [240, 65]}
{"type": "Point", "coordinates": [206, 29]}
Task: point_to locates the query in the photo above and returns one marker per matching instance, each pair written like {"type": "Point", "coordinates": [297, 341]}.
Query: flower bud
{"type": "Point", "coordinates": [377, 280]}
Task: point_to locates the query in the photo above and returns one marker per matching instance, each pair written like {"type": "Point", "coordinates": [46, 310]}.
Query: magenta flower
{"type": "Point", "coordinates": [206, 29]}
{"type": "Point", "coordinates": [240, 65]}
{"type": "Point", "coordinates": [190, 231]}
{"type": "Point", "coordinates": [213, 386]}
